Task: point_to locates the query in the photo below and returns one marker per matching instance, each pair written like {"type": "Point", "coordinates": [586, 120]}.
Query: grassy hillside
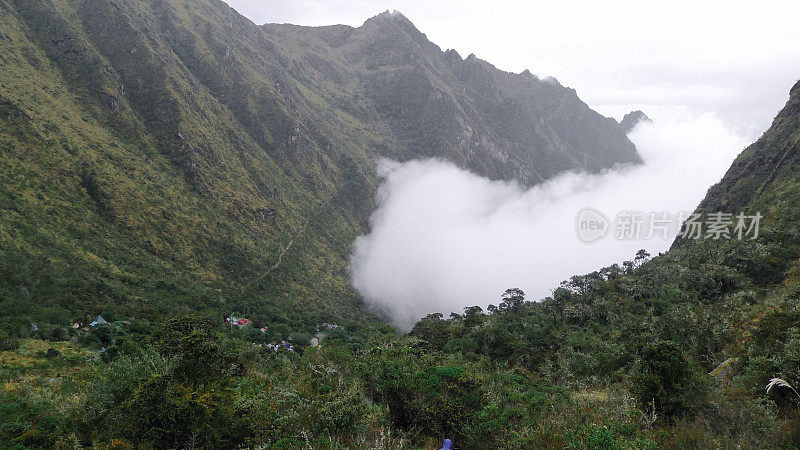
{"type": "Point", "coordinates": [129, 188]}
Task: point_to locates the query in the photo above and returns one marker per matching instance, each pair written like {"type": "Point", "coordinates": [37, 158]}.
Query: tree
{"type": "Point", "coordinates": [512, 300]}
{"type": "Point", "coordinates": [665, 380]}
{"type": "Point", "coordinates": [473, 316]}
{"type": "Point", "coordinates": [422, 390]}
{"type": "Point", "coordinates": [278, 332]}
{"type": "Point", "coordinates": [433, 329]}
{"type": "Point", "coordinates": [642, 256]}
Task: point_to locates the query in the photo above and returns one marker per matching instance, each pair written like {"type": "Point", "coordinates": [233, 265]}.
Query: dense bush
{"type": "Point", "coordinates": [666, 382]}
{"type": "Point", "coordinates": [423, 390]}
{"type": "Point", "coordinates": [614, 359]}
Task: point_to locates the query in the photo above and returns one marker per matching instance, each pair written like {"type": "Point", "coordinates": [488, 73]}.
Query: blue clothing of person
{"type": "Point", "coordinates": [448, 445]}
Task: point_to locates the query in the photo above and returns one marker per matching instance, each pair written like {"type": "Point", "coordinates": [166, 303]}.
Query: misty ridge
{"type": "Point", "coordinates": [443, 238]}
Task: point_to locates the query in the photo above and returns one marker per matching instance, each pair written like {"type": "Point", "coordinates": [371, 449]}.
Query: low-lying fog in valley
{"type": "Point", "coordinates": [443, 238]}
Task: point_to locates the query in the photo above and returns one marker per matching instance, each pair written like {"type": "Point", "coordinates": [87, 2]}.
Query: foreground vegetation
{"type": "Point", "coordinates": [649, 354]}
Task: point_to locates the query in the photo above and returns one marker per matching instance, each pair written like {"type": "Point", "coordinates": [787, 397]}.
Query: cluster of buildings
{"type": "Point", "coordinates": [313, 342]}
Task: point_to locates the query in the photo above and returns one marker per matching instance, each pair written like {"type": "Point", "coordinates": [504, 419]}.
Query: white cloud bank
{"type": "Point", "coordinates": [443, 238]}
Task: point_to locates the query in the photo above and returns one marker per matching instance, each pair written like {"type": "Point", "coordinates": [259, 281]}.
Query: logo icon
{"type": "Point", "coordinates": [591, 225]}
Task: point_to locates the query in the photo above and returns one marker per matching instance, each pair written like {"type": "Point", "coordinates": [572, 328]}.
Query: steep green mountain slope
{"type": "Point", "coordinates": [764, 177]}
{"type": "Point", "coordinates": [171, 154]}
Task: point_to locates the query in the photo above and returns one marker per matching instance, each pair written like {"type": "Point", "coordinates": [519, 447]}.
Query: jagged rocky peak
{"type": "Point", "coordinates": [632, 119]}
{"type": "Point", "coordinates": [552, 81]}
{"type": "Point", "coordinates": [392, 16]}
{"type": "Point", "coordinates": [453, 54]}
{"type": "Point", "coordinates": [393, 29]}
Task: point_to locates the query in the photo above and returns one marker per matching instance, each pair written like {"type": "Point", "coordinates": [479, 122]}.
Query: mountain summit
{"type": "Point", "coordinates": [497, 124]}
{"type": "Point", "coordinates": [632, 119]}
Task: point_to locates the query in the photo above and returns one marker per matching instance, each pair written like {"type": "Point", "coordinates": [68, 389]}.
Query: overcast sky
{"type": "Point", "coordinates": [737, 59]}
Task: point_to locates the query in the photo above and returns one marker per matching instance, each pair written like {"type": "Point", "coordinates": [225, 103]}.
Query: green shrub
{"type": "Point", "coordinates": [26, 423]}
{"type": "Point", "coordinates": [437, 397]}
{"type": "Point", "coordinates": [666, 381]}
{"type": "Point", "coordinates": [9, 343]}
{"type": "Point", "coordinates": [592, 437]}
{"type": "Point", "coordinates": [163, 412]}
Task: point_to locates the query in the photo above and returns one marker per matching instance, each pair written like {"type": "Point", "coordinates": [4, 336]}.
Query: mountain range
{"type": "Point", "coordinates": [173, 154]}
